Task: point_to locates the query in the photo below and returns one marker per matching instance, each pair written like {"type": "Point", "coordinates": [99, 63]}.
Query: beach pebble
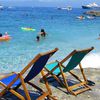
{"type": "Point", "coordinates": [90, 91]}
{"type": "Point", "coordinates": [55, 97]}
{"type": "Point", "coordinates": [88, 96]}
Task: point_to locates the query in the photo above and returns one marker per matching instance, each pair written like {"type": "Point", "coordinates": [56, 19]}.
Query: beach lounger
{"type": "Point", "coordinates": [17, 79]}
{"type": "Point", "coordinates": [57, 68]}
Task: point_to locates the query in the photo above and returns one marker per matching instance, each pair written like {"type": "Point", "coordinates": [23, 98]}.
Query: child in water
{"type": "Point", "coordinates": [38, 38]}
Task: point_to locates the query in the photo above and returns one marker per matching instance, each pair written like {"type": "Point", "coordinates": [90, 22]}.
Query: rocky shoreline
{"type": "Point", "coordinates": [93, 13]}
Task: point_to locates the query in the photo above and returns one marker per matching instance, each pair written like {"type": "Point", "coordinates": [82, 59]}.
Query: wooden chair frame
{"type": "Point", "coordinates": [20, 76]}
{"type": "Point", "coordinates": [65, 83]}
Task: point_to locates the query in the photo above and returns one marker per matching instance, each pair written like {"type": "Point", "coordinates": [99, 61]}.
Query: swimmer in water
{"type": "Point", "coordinates": [99, 37]}
{"type": "Point", "coordinates": [38, 38]}
{"type": "Point", "coordinates": [0, 34]}
{"type": "Point", "coordinates": [42, 33]}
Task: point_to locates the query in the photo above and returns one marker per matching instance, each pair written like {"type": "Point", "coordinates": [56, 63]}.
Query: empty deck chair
{"type": "Point", "coordinates": [57, 68]}
{"type": "Point", "coordinates": [17, 79]}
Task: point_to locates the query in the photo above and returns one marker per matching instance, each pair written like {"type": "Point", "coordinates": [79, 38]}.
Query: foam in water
{"type": "Point", "coordinates": [91, 61]}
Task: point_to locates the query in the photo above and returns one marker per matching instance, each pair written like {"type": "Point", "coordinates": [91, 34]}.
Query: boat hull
{"type": "Point", "coordinates": [85, 7]}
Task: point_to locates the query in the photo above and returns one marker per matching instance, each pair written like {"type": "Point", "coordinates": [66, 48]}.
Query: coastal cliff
{"type": "Point", "coordinates": [93, 13]}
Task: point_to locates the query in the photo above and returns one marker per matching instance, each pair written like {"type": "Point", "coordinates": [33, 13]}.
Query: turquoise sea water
{"type": "Point", "coordinates": [63, 29]}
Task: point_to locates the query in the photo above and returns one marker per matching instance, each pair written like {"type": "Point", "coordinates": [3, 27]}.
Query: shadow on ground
{"type": "Point", "coordinates": [33, 94]}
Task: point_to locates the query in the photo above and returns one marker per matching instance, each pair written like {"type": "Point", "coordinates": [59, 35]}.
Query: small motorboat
{"type": "Point", "coordinates": [69, 8]}
{"type": "Point", "coordinates": [1, 7]}
{"type": "Point", "coordinates": [65, 8]}
{"type": "Point", "coordinates": [90, 6]}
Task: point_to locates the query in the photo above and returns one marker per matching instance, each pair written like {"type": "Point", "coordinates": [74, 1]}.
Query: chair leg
{"type": "Point", "coordinates": [54, 76]}
{"type": "Point", "coordinates": [48, 97]}
{"type": "Point", "coordinates": [46, 82]}
{"type": "Point", "coordinates": [82, 72]}
{"type": "Point", "coordinates": [47, 86]}
{"type": "Point", "coordinates": [85, 79]}
{"type": "Point", "coordinates": [75, 76]}
{"type": "Point", "coordinates": [33, 85]}
{"type": "Point", "coordinates": [17, 94]}
{"type": "Point", "coordinates": [44, 95]}
{"type": "Point", "coordinates": [63, 76]}
{"type": "Point", "coordinates": [25, 89]}
{"type": "Point", "coordinates": [58, 80]}
{"type": "Point", "coordinates": [12, 91]}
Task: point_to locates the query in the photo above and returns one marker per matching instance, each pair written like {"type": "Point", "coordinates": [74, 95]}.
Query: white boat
{"type": "Point", "coordinates": [69, 8]}
{"type": "Point", "coordinates": [1, 7]}
{"type": "Point", "coordinates": [91, 5]}
{"type": "Point", "coordinates": [90, 17]}
{"type": "Point", "coordinates": [65, 8]}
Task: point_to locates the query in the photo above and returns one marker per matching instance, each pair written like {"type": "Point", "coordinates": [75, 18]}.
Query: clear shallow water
{"type": "Point", "coordinates": [64, 30]}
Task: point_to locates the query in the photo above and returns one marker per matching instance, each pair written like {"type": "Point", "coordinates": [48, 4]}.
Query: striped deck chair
{"type": "Point", "coordinates": [17, 79]}
{"type": "Point", "coordinates": [57, 68]}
